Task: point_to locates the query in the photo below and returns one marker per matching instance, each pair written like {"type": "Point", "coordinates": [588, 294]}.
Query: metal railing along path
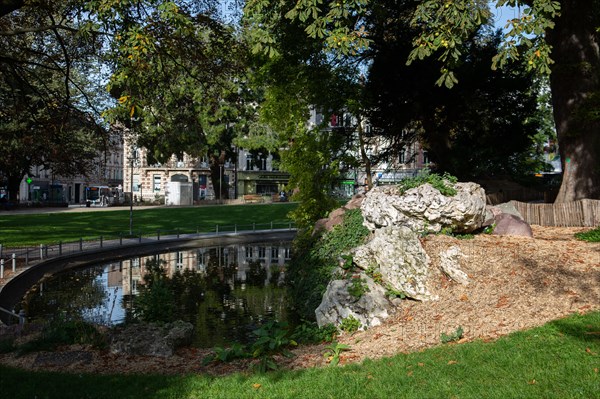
{"type": "Point", "coordinates": [15, 259]}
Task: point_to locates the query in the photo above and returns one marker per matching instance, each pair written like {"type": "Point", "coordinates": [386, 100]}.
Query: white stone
{"type": "Point", "coordinates": [425, 209]}
{"type": "Point", "coordinates": [401, 259]}
{"type": "Point", "coordinates": [449, 263]}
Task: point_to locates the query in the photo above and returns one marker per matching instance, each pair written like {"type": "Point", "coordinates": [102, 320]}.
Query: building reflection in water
{"type": "Point", "coordinates": [241, 285]}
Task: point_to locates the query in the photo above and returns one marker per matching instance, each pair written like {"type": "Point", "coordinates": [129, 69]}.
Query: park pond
{"type": "Point", "coordinates": [225, 291]}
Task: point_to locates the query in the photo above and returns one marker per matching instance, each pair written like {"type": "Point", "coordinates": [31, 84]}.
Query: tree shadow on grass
{"type": "Point", "coordinates": [583, 327]}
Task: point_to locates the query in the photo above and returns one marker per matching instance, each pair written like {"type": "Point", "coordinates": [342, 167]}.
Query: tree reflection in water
{"type": "Point", "coordinates": [226, 292]}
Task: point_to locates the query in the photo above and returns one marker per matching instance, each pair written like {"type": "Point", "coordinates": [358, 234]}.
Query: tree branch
{"type": "Point", "coordinates": [8, 6]}
{"type": "Point", "coordinates": [17, 32]}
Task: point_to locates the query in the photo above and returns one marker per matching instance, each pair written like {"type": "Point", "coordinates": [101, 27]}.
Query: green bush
{"type": "Point", "coordinates": [452, 337]}
{"type": "Point", "coordinates": [589, 236]}
{"type": "Point", "coordinates": [308, 332]}
{"type": "Point", "coordinates": [316, 257]}
{"type": "Point", "coordinates": [358, 287]}
{"type": "Point", "coordinates": [61, 331]}
{"type": "Point", "coordinates": [350, 325]}
{"type": "Point", "coordinates": [7, 345]}
{"type": "Point", "coordinates": [165, 299]}
{"type": "Point", "coordinates": [271, 340]}
{"type": "Point", "coordinates": [443, 183]}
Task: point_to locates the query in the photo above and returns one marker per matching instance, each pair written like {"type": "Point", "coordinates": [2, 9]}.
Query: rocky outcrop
{"type": "Point", "coordinates": [400, 258]}
{"type": "Point", "coordinates": [395, 253]}
{"type": "Point", "coordinates": [152, 339]}
{"type": "Point", "coordinates": [338, 304]}
{"type": "Point", "coordinates": [425, 209]}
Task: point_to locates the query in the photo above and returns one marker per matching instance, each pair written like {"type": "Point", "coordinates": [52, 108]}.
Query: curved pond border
{"type": "Point", "coordinates": [15, 288]}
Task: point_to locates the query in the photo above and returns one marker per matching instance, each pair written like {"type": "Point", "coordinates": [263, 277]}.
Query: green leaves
{"type": "Point", "coordinates": [333, 352]}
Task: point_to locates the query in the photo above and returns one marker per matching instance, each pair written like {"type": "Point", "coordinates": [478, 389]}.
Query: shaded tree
{"type": "Point", "coordinates": [556, 37]}
{"type": "Point", "coordinates": [482, 127]}
{"type": "Point", "coordinates": [46, 94]}
{"type": "Point", "coordinates": [297, 77]}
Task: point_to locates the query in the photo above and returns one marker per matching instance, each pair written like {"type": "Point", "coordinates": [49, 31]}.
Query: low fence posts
{"type": "Point", "coordinates": [71, 246]}
{"type": "Point", "coordinates": [22, 317]}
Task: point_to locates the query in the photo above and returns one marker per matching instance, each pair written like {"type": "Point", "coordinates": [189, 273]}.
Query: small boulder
{"type": "Point", "coordinates": [511, 225]}
{"type": "Point", "coordinates": [152, 339]}
{"type": "Point", "coordinates": [337, 216]}
{"type": "Point", "coordinates": [450, 265]}
{"type": "Point", "coordinates": [370, 309]}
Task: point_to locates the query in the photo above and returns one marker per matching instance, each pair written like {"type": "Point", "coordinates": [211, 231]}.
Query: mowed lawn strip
{"type": "Point", "coordinates": [46, 228]}
{"type": "Point", "coordinates": [559, 360]}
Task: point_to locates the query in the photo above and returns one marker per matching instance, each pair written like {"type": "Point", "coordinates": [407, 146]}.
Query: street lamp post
{"type": "Point", "coordinates": [220, 182]}
{"type": "Point", "coordinates": [132, 158]}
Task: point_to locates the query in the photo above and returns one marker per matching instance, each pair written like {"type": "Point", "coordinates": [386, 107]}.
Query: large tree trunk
{"type": "Point", "coordinates": [575, 85]}
{"type": "Point", "coordinates": [13, 183]}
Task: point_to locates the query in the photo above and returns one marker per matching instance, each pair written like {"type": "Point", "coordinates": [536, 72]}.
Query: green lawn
{"type": "Point", "coordinates": [560, 360]}
{"type": "Point", "coordinates": [46, 228]}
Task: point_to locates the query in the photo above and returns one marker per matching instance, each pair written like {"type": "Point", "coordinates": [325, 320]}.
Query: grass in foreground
{"type": "Point", "coordinates": [46, 228]}
{"type": "Point", "coordinates": [558, 360]}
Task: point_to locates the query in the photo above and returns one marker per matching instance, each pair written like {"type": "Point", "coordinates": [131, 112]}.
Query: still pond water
{"type": "Point", "coordinates": [233, 289]}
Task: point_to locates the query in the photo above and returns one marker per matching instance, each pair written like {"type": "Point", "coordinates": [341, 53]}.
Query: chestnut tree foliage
{"type": "Point", "coordinates": [559, 38]}
{"type": "Point", "coordinates": [47, 117]}
{"type": "Point", "coordinates": [174, 69]}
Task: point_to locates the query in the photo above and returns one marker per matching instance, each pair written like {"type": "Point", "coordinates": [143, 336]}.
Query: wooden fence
{"type": "Point", "coordinates": [583, 213]}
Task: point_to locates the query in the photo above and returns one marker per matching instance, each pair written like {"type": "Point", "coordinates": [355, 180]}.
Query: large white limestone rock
{"type": "Point", "coordinates": [399, 256]}
{"type": "Point", "coordinates": [425, 209]}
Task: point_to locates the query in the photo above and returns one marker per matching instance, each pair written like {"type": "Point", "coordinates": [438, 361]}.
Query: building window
{"type": "Point", "coordinates": [136, 183]}
{"type": "Point", "coordinates": [200, 259]}
{"type": "Point", "coordinates": [262, 252]}
{"type": "Point", "coordinates": [225, 256]}
{"type": "Point", "coordinates": [156, 182]}
{"type": "Point", "coordinates": [274, 252]}
{"type": "Point", "coordinates": [287, 253]}
{"type": "Point", "coordinates": [179, 256]}
{"type": "Point", "coordinates": [134, 286]}
{"type": "Point", "coordinates": [249, 253]}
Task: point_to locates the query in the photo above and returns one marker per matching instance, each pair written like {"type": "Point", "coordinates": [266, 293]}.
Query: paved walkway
{"type": "Point", "coordinates": [74, 208]}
